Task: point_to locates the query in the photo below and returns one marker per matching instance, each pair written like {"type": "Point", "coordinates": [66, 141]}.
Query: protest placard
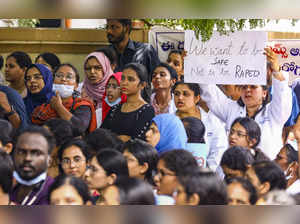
{"type": "Point", "coordinates": [288, 54]}
{"type": "Point", "coordinates": [226, 59]}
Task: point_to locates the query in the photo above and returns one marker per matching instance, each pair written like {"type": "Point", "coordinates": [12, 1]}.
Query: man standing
{"type": "Point", "coordinates": [31, 158]}
{"type": "Point", "coordinates": [118, 32]}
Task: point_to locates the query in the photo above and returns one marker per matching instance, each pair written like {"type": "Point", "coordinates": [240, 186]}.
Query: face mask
{"type": "Point", "coordinates": [117, 101]}
{"type": "Point", "coordinates": [64, 91]}
{"type": "Point", "coordinates": [34, 181]}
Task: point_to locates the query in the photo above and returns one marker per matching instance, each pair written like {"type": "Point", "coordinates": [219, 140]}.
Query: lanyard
{"type": "Point", "coordinates": [40, 187]}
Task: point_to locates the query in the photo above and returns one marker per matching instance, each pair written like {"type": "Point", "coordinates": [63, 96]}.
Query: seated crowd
{"type": "Point", "coordinates": [134, 133]}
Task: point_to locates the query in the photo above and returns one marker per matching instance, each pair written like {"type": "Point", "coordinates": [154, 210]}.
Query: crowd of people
{"type": "Point", "coordinates": [134, 133]}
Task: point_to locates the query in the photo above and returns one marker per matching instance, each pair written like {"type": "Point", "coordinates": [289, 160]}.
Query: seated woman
{"type": "Point", "coordinates": [62, 131]}
{"type": "Point", "coordinates": [73, 156]}
{"type": "Point", "coordinates": [170, 165]}
{"type": "Point", "coordinates": [48, 59]}
{"type": "Point", "coordinates": [97, 69]}
{"type": "Point", "coordinates": [15, 68]}
{"type": "Point", "coordinates": [265, 177]}
{"type": "Point", "coordinates": [187, 99]}
{"type": "Point", "coordinates": [235, 162]}
{"type": "Point", "coordinates": [163, 79]}
{"type": "Point", "coordinates": [39, 83]}
{"type": "Point", "coordinates": [69, 190]}
{"type": "Point", "coordinates": [133, 118]}
{"type": "Point", "coordinates": [175, 59]}
{"type": "Point", "coordinates": [112, 95]}
{"type": "Point", "coordinates": [200, 188]}
{"type": "Point", "coordinates": [166, 133]}
{"type": "Point", "coordinates": [129, 191]}
{"type": "Point", "coordinates": [141, 159]}
{"type": "Point", "coordinates": [104, 169]}
{"type": "Point", "coordinates": [240, 191]}
{"type": "Point", "coordinates": [66, 104]}
{"type": "Point", "coordinates": [12, 107]}
{"type": "Point", "coordinates": [246, 132]}
{"type": "Point", "coordinates": [195, 131]}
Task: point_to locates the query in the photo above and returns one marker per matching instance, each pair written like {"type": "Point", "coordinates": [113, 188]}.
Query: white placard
{"type": "Point", "coordinates": [288, 54]}
{"type": "Point", "coordinates": [234, 59]}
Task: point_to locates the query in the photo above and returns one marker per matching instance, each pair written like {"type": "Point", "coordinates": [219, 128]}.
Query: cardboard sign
{"type": "Point", "coordinates": [234, 59]}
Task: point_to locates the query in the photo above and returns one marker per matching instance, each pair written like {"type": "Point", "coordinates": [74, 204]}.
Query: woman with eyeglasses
{"type": "Point", "coordinates": [245, 132]}
{"type": "Point", "coordinates": [39, 84]}
{"type": "Point", "coordinates": [73, 156]}
{"type": "Point", "coordinates": [172, 164]}
{"type": "Point", "coordinates": [270, 116]}
{"type": "Point", "coordinates": [66, 103]}
{"type": "Point", "coordinates": [104, 169]}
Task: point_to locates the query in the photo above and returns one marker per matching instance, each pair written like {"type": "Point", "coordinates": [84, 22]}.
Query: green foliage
{"type": "Point", "coordinates": [205, 27]}
{"type": "Point", "coordinates": [27, 22]}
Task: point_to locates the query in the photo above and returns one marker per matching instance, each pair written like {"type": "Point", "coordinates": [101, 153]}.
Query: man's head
{"type": "Point", "coordinates": [117, 30]}
{"type": "Point", "coordinates": [31, 153]}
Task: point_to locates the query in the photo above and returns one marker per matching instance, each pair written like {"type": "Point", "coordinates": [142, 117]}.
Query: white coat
{"type": "Point", "coordinates": [271, 119]}
{"type": "Point", "coordinates": [215, 138]}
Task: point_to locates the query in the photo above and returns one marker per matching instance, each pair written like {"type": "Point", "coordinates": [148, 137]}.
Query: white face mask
{"type": "Point", "coordinates": [38, 179]}
{"type": "Point", "coordinates": [64, 91]}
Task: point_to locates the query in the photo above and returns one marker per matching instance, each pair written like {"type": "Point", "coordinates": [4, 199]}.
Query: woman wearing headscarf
{"type": "Point", "coordinates": [39, 84]}
{"type": "Point", "coordinates": [97, 72]}
{"type": "Point", "coordinates": [167, 133]}
{"type": "Point", "coordinates": [112, 95]}
{"type": "Point", "coordinates": [67, 104]}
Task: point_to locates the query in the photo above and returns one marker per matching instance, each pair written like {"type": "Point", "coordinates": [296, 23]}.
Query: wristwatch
{"type": "Point", "coordinates": [10, 113]}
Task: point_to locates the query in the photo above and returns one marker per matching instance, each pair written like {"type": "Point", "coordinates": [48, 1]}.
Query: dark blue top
{"type": "Point", "coordinates": [15, 100]}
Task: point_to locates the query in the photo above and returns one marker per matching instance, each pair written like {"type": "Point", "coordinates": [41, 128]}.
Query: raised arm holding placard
{"type": "Point", "coordinates": [254, 102]}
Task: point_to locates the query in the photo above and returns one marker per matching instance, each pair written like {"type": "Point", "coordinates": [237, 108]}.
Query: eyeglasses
{"type": "Point", "coordinates": [68, 77]}
{"type": "Point", "coordinates": [35, 77]}
{"type": "Point", "coordinates": [96, 68]}
{"type": "Point", "coordinates": [238, 133]}
{"type": "Point", "coordinates": [113, 86]}
{"type": "Point", "coordinates": [92, 168]}
{"type": "Point", "coordinates": [162, 173]}
{"type": "Point", "coordinates": [67, 161]}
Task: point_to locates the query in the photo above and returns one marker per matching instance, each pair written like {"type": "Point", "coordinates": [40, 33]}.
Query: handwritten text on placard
{"type": "Point", "coordinates": [234, 59]}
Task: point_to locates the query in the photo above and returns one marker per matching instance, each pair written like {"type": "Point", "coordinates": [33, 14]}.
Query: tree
{"type": "Point", "coordinates": [205, 27]}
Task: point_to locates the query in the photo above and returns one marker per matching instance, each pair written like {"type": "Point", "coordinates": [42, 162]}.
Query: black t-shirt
{"type": "Point", "coordinates": [134, 124]}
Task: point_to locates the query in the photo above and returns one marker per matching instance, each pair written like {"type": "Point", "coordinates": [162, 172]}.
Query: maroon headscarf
{"type": "Point", "coordinates": [96, 91]}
